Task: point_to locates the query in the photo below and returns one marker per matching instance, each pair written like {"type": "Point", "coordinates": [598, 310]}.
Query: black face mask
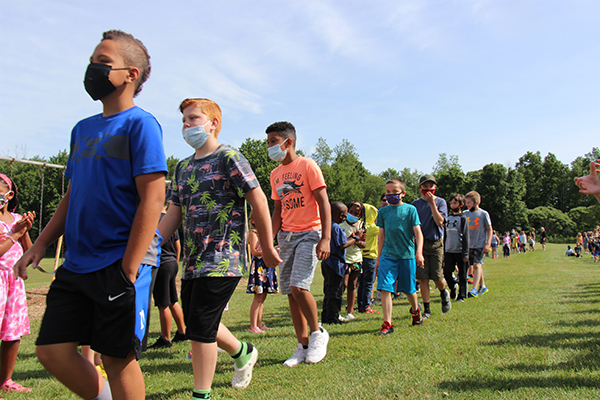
{"type": "Point", "coordinates": [96, 80]}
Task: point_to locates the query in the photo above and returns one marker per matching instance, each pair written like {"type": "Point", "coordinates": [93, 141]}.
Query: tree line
{"type": "Point", "coordinates": [537, 192]}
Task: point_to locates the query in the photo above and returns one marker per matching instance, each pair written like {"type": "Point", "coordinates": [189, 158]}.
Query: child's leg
{"type": "Point", "coordinates": [204, 362]}
{"type": "Point", "coordinates": [164, 315]}
{"type": "Point", "coordinates": [425, 295]}
{"type": "Point", "coordinates": [177, 314]}
{"type": "Point", "coordinates": [477, 275]}
{"type": "Point", "coordinates": [351, 293]}
{"type": "Point", "coordinates": [414, 301]}
{"type": "Point", "coordinates": [8, 358]}
{"type": "Point", "coordinates": [125, 377]}
{"type": "Point", "coordinates": [297, 301]}
{"type": "Point", "coordinates": [386, 304]}
{"type": "Point", "coordinates": [256, 310]}
{"type": "Point", "coordinates": [64, 362]}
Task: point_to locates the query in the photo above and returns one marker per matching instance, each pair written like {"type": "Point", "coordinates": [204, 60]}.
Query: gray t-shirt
{"type": "Point", "coordinates": [457, 235]}
{"type": "Point", "coordinates": [478, 221]}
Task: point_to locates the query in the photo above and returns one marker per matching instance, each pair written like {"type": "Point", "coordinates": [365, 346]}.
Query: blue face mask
{"type": "Point", "coordinates": [351, 219]}
{"type": "Point", "coordinates": [393, 198]}
{"type": "Point", "coordinates": [275, 152]}
{"type": "Point", "coordinates": [195, 136]}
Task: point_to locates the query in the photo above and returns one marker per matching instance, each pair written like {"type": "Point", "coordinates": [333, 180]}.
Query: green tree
{"type": "Point", "coordinates": [554, 221]}
{"type": "Point", "coordinates": [257, 154]}
{"type": "Point", "coordinates": [553, 183]}
{"type": "Point", "coordinates": [530, 166]}
{"type": "Point", "coordinates": [585, 218]}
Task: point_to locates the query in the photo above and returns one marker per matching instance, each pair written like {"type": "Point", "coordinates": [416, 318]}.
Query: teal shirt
{"type": "Point", "coordinates": [397, 223]}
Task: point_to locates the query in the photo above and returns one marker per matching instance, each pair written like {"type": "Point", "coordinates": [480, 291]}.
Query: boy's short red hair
{"type": "Point", "coordinates": [208, 108]}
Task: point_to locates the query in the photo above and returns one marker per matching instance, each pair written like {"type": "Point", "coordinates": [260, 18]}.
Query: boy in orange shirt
{"type": "Point", "coordinates": [302, 222]}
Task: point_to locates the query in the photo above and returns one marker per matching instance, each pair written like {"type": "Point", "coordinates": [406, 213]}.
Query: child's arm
{"type": "Point", "coordinates": [50, 234]}
{"type": "Point", "coordinates": [18, 234]}
{"type": "Point", "coordinates": [325, 212]}
{"type": "Point", "coordinates": [260, 212]}
{"type": "Point", "coordinates": [438, 218]}
{"type": "Point", "coordinates": [590, 184]}
{"type": "Point", "coordinates": [177, 247]}
{"type": "Point", "coordinates": [349, 242]}
{"type": "Point", "coordinates": [170, 222]}
{"type": "Point", "coordinates": [489, 232]}
{"type": "Point", "coordinates": [276, 219]}
{"type": "Point", "coordinates": [151, 191]}
{"type": "Point", "coordinates": [252, 241]}
{"type": "Point", "coordinates": [380, 241]}
{"type": "Point", "coordinates": [419, 246]}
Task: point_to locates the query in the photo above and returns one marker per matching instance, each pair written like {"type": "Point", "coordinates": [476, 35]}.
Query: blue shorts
{"type": "Point", "coordinates": [392, 270]}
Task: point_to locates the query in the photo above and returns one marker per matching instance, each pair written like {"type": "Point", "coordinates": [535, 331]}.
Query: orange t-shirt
{"type": "Point", "coordinates": [293, 185]}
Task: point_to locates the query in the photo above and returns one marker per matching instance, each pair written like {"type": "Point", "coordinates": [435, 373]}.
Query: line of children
{"type": "Point", "coordinates": [400, 245]}
{"type": "Point", "coordinates": [14, 321]}
{"type": "Point", "coordinates": [301, 220]}
{"type": "Point", "coordinates": [208, 193]}
{"type": "Point", "coordinates": [262, 280]}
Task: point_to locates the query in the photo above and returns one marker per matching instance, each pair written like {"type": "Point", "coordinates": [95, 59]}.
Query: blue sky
{"type": "Point", "coordinates": [401, 80]}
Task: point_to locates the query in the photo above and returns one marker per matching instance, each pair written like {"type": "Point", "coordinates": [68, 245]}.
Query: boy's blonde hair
{"type": "Point", "coordinates": [397, 181]}
{"type": "Point", "coordinates": [134, 54]}
{"type": "Point", "coordinates": [474, 196]}
{"type": "Point", "coordinates": [207, 107]}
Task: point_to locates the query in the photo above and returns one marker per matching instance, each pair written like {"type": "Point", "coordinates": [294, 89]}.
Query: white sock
{"type": "Point", "coordinates": [105, 393]}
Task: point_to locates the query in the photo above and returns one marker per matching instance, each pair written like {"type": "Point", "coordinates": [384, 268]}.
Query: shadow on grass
{"type": "Point", "coordinates": [505, 384]}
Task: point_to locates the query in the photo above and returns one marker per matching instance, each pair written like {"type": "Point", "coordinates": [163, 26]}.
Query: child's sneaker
{"type": "Point", "coordinates": [342, 319]}
{"type": "Point", "coordinates": [446, 304]}
{"type": "Point", "coordinates": [350, 317]}
{"type": "Point", "coordinates": [179, 337]}
{"type": "Point", "coordinates": [483, 290]}
{"type": "Point", "coordinates": [416, 316]}
{"type": "Point", "coordinates": [243, 376]}
{"type": "Point", "coordinates": [473, 292]}
{"type": "Point", "coordinates": [386, 329]}
{"type": "Point", "coordinates": [161, 343]}
{"type": "Point", "coordinates": [317, 346]}
{"type": "Point", "coordinates": [11, 386]}
{"type": "Point", "coordinates": [298, 357]}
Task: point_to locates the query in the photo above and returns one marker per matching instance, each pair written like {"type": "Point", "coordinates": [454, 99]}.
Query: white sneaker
{"type": "Point", "coordinates": [341, 318]}
{"type": "Point", "coordinates": [243, 376]}
{"type": "Point", "coordinates": [317, 346]}
{"type": "Point", "coordinates": [298, 357]}
{"type": "Point", "coordinates": [350, 317]}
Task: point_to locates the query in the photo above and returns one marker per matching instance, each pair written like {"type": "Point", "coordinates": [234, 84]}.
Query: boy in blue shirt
{"type": "Point", "coordinates": [334, 266]}
{"type": "Point", "coordinates": [400, 252]}
{"type": "Point", "coordinates": [101, 294]}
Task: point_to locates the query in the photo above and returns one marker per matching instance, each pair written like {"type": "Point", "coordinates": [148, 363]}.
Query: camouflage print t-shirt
{"type": "Point", "coordinates": [210, 192]}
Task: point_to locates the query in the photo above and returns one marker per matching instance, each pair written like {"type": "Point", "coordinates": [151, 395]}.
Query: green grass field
{"type": "Point", "coordinates": [535, 335]}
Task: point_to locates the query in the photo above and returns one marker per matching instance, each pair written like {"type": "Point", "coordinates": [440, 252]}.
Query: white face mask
{"type": "Point", "coordinates": [275, 152]}
{"type": "Point", "coordinates": [195, 136]}
{"type": "Point", "coordinates": [3, 199]}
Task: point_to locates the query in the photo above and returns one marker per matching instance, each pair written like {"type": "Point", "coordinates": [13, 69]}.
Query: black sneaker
{"type": "Point", "coordinates": [161, 343]}
{"type": "Point", "coordinates": [446, 304]}
{"type": "Point", "coordinates": [179, 337]}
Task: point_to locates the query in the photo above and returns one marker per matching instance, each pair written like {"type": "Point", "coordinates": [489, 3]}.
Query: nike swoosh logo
{"type": "Point", "coordinates": [111, 298]}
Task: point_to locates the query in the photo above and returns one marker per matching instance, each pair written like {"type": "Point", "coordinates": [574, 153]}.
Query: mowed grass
{"type": "Point", "coordinates": [535, 335]}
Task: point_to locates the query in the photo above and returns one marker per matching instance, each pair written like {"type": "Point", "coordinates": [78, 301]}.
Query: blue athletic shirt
{"type": "Point", "coordinates": [336, 260]}
{"type": "Point", "coordinates": [397, 223]}
{"type": "Point", "coordinates": [107, 153]}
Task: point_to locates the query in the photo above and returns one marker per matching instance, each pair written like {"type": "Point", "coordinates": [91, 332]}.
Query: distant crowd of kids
{"type": "Point", "coordinates": [115, 201]}
{"type": "Point", "coordinates": [586, 243]}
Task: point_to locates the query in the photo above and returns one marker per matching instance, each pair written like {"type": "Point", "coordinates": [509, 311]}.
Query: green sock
{"type": "Point", "coordinates": [242, 356]}
{"type": "Point", "coordinates": [201, 394]}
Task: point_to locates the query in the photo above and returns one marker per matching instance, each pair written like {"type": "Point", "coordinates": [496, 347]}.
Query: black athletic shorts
{"type": "Point", "coordinates": [203, 301]}
{"type": "Point", "coordinates": [102, 309]}
{"type": "Point", "coordinates": [165, 289]}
